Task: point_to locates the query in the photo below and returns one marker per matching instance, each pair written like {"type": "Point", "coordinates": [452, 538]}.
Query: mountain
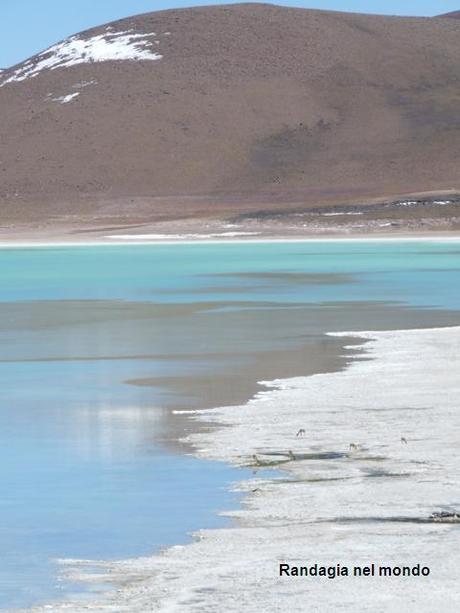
{"type": "Point", "coordinates": [453, 15]}
{"type": "Point", "coordinates": [216, 109]}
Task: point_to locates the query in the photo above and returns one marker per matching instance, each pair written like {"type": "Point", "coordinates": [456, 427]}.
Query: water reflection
{"type": "Point", "coordinates": [82, 474]}
{"type": "Point", "coordinates": [110, 433]}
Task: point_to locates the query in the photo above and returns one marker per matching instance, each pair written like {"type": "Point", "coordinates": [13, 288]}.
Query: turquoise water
{"type": "Point", "coordinates": [419, 273]}
{"type": "Point", "coordinates": [88, 463]}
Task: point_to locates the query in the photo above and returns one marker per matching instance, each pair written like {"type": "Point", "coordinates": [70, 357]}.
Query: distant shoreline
{"type": "Point", "coordinates": [403, 221]}
{"type": "Point", "coordinates": [406, 217]}
{"type": "Point", "coordinates": [201, 240]}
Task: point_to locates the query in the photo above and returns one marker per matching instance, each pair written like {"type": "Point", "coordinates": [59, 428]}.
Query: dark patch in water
{"type": "Point", "coordinates": [376, 473]}
{"type": "Point", "coordinates": [397, 519]}
{"type": "Point", "coordinates": [369, 458]}
{"type": "Point", "coordinates": [396, 409]}
{"type": "Point", "coordinates": [318, 480]}
{"type": "Point", "coordinates": [321, 455]}
{"type": "Point", "coordinates": [290, 277]}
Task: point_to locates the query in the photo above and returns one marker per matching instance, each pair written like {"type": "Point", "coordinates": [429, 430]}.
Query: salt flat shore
{"type": "Point", "coordinates": [416, 216]}
{"type": "Point", "coordinates": [22, 242]}
{"type": "Point", "coordinates": [379, 456]}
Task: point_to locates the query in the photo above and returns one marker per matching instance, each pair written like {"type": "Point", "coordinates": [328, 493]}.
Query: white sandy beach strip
{"type": "Point", "coordinates": [178, 237]}
{"type": "Point", "coordinates": [332, 505]}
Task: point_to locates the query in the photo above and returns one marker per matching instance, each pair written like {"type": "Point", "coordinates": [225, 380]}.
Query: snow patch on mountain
{"type": "Point", "coordinates": [66, 99]}
{"type": "Point", "coordinates": [110, 46]}
{"type": "Point", "coordinates": [85, 83]}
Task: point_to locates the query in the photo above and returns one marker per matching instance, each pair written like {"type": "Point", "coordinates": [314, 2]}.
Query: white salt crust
{"type": "Point", "coordinates": [345, 506]}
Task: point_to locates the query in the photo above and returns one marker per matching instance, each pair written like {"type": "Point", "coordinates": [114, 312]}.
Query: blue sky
{"type": "Point", "coordinates": [29, 26]}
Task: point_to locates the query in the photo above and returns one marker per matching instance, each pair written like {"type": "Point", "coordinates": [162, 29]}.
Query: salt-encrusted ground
{"type": "Point", "coordinates": [332, 505]}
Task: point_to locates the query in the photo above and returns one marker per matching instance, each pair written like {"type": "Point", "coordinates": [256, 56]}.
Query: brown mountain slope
{"type": "Point", "coordinates": [453, 15]}
{"type": "Point", "coordinates": [227, 107]}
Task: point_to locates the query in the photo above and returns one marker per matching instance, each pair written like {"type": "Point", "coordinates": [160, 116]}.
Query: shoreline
{"type": "Point", "coordinates": [429, 237]}
{"type": "Point", "coordinates": [423, 214]}
{"type": "Point", "coordinates": [279, 520]}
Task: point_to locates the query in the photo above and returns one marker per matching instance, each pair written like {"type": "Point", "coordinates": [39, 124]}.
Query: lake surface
{"type": "Point", "coordinates": [99, 344]}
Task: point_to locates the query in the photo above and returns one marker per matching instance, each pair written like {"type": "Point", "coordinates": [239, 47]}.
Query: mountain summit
{"type": "Point", "coordinates": [177, 112]}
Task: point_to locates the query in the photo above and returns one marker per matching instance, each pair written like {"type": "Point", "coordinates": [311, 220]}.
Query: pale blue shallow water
{"type": "Point", "coordinates": [86, 470]}
{"type": "Point", "coordinates": [81, 477]}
